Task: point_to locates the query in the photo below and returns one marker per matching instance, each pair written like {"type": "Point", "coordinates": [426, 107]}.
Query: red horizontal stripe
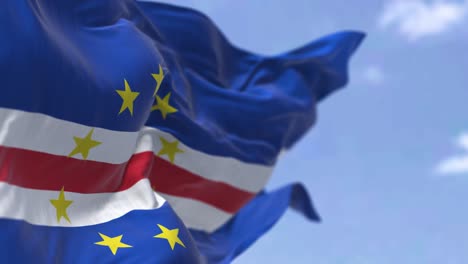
{"type": "Point", "coordinates": [37, 170]}
{"type": "Point", "coordinates": [170, 179]}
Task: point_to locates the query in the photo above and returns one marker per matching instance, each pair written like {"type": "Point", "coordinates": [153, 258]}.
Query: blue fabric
{"type": "Point", "coordinates": [21, 242]}
{"type": "Point", "coordinates": [236, 103]}
{"type": "Point", "coordinates": [67, 58]}
{"type": "Point", "coordinates": [251, 222]}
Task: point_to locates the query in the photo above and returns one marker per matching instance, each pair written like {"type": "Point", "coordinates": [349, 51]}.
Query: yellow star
{"type": "Point", "coordinates": [128, 97]}
{"type": "Point", "coordinates": [61, 206]}
{"type": "Point", "coordinates": [169, 148]}
{"type": "Point", "coordinates": [83, 145]}
{"type": "Point", "coordinates": [163, 105]}
{"type": "Point", "coordinates": [172, 236]}
{"type": "Point", "coordinates": [112, 242]}
{"type": "Point", "coordinates": [158, 78]}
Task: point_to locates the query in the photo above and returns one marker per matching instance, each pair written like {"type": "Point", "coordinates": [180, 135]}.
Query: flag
{"type": "Point", "coordinates": [77, 87]}
{"type": "Point", "coordinates": [236, 112]}
{"type": "Point", "coordinates": [135, 132]}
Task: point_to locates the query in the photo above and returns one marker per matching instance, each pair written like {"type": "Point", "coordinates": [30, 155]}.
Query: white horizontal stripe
{"type": "Point", "coordinates": [42, 133]}
{"type": "Point", "coordinates": [34, 206]}
{"type": "Point", "coordinates": [197, 215]}
{"type": "Point", "coordinates": [245, 176]}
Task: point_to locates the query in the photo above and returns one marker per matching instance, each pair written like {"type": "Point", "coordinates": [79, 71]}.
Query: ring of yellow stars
{"type": "Point", "coordinates": [164, 106]}
{"type": "Point", "coordinates": [169, 148]}
{"type": "Point", "coordinates": [159, 77]}
{"type": "Point", "coordinates": [61, 206]}
{"type": "Point", "coordinates": [171, 235]}
{"type": "Point", "coordinates": [128, 97]}
{"type": "Point", "coordinates": [83, 145]}
{"type": "Point", "coordinates": [114, 243]}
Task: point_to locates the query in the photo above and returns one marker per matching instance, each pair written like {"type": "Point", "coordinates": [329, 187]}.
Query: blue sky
{"type": "Point", "coordinates": [387, 163]}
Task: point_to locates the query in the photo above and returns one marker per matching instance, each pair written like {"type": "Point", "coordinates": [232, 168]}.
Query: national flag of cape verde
{"type": "Point", "coordinates": [134, 132]}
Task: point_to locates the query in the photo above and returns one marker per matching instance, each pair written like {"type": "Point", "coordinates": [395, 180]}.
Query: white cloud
{"type": "Point", "coordinates": [373, 75]}
{"type": "Point", "coordinates": [463, 141]}
{"type": "Point", "coordinates": [419, 18]}
{"type": "Point", "coordinates": [458, 163]}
